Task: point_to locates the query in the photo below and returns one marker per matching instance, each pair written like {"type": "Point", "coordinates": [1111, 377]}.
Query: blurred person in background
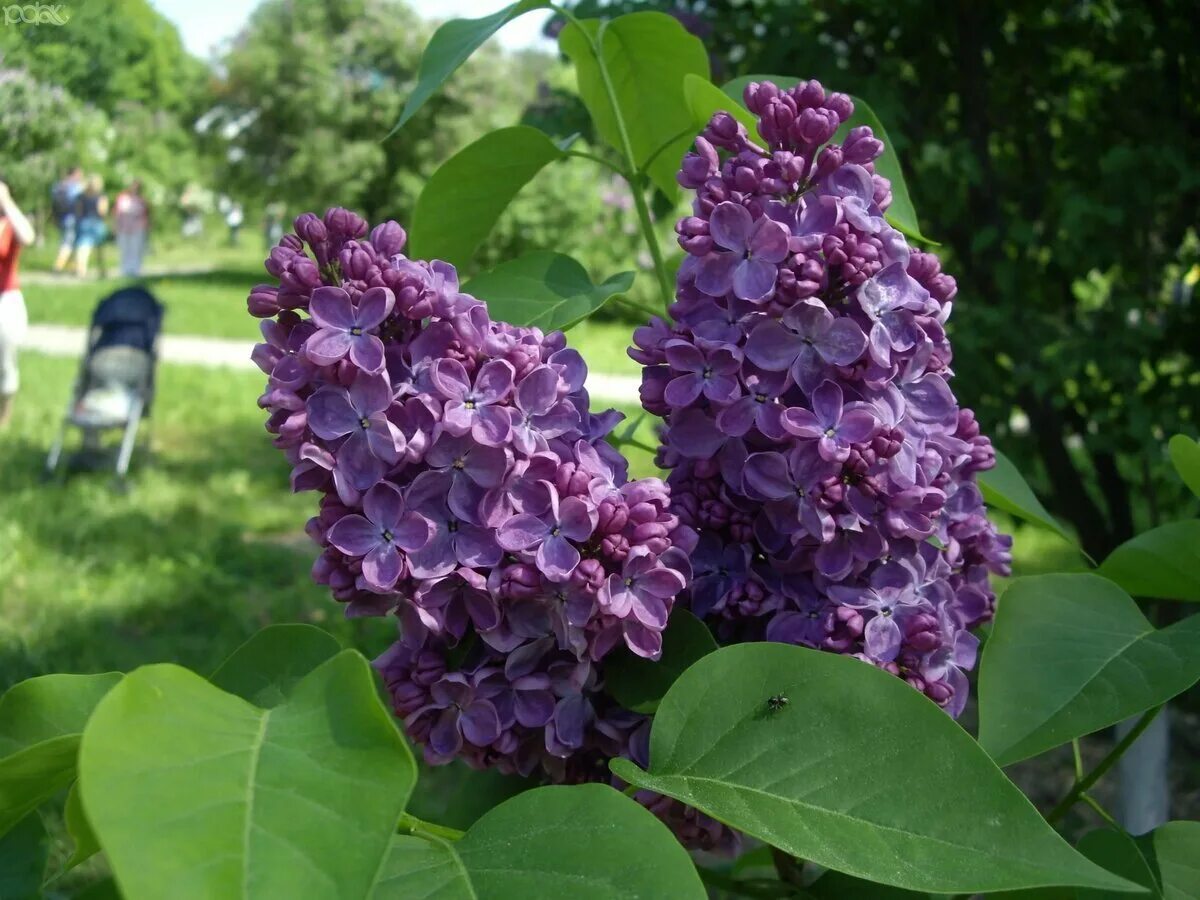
{"type": "Point", "coordinates": [63, 197]}
{"type": "Point", "coordinates": [91, 209]}
{"type": "Point", "coordinates": [234, 218]}
{"type": "Point", "coordinates": [15, 233]}
{"type": "Point", "coordinates": [272, 225]}
{"type": "Point", "coordinates": [193, 212]}
{"type": "Point", "coordinates": [131, 222]}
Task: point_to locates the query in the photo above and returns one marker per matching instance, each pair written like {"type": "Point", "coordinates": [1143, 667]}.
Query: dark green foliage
{"type": "Point", "coordinates": [1050, 150]}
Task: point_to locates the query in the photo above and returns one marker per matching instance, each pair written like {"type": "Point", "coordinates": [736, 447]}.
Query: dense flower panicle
{"type": "Point", "coordinates": [813, 440]}
{"type": "Point", "coordinates": [467, 488]}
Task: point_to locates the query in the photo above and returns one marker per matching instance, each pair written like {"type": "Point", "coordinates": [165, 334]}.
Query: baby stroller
{"type": "Point", "coordinates": [115, 385]}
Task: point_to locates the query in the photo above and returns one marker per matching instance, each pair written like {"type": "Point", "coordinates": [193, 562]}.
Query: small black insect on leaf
{"type": "Point", "coordinates": [777, 702]}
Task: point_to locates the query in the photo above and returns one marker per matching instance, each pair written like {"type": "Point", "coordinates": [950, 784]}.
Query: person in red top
{"type": "Point", "coordinates": [15, 232]}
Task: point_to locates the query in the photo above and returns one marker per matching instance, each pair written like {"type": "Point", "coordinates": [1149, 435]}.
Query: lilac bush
{"type": "Point", "coordinates": [467, 488]}
{"type": "Point", "coordinates": [812, 438]}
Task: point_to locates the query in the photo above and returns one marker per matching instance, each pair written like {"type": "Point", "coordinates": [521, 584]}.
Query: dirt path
{"type": "Point", "coordinates": [67, 340]}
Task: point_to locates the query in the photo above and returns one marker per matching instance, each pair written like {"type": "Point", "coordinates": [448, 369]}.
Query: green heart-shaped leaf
{"type": "Point", "coordinates": [647, 54]}
{"type": "Point", "coordinates": [544, 289]}
{"type": "Point", "coordinates": [189, 786]}
{"type": "Point", "coordinates": [1166, 861]}
{"type": "Point", "coordinates": [451, 46]}
{"type": "Point", "coordinates": [464, 198]}
{"type": "Point", "coordinates": [1185, 456]}
{"type": "Point", "coordinates": [857, 772]}
{"type": "Point", "coordinates": [1069, 655]}
{"type": "Point", "coordinates": [586, 842]}
{"type": "Point", "coordinates": [40, 723]}
{"type": "Point", "coordinates": [266, 668]}
{"type": "Point", "coordinates": [1163, 563]}
{"type": "Point", "coordinates": [1004, 488]}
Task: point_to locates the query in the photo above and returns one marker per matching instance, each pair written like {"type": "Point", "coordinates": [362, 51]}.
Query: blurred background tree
{"type": "Point", "coordinates": [1051, 149]}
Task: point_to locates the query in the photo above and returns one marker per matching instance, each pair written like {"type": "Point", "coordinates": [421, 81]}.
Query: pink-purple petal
{"type": "Point", "coordinates": [450, 378]}
{"type": "Point", "coordinates": [354, 535]}
{"type": "Point", "coordinates": [366, 352]}
{"type": "Point", "coordinates": [843, 343]}
{"type": "Point", "coordinates": [714, 276]}
{"type": "Point", "coordinates": [754, 279]}
{"type": "Point", "coordinates": [768, 241]}
{"type": "Point", "coordinates": [327, 346]}
{"type": "Point", "coordinates": [493, 381]}
{"type": "Point", "coordinates": [412, 532]}
{"type": "Point", "coordinates": [557, 558]}
{"type": "Point", "coordinates": [683, 390]}
{"type": "Point", "coordinates": [382, 567]}
{"type": "Point", "coordinates": [330, 414]}
{"type": "Point", "coordinates": [373, 307]}
{"type": "Point", "coordinates": [383, 505]}
{"type": "Point", "coordinates": [330, 307]}
{"type": "Point", "coordinates": [767, 474]}
{"type": "Point", "coordinates": [772, 347]}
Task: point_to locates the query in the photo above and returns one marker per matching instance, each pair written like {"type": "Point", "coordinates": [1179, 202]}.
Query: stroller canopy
{"type": "Point", "coordinates": [130, 317]}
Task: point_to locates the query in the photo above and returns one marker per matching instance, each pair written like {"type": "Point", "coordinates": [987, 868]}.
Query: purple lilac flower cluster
{"type": "Point", "coordinates": [466, 487]}
{"type": "Point", "coordinates": [813, 439]}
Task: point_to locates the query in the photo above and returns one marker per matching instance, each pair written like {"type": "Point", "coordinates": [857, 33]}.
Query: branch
{"type": "Point", "coordinates": [1104, 765]}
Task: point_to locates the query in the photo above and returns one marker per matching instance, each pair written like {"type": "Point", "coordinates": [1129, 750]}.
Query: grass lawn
{"type": "Point", "coordinates": [205, 547]}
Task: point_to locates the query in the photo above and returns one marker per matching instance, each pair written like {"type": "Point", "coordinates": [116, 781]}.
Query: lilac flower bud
{"type": "Point", "coordinates": [344, 225]}
{"type": "Point", "coordinates": [311, 229]}
{"type": "Point", "coordinates": [861, 146]}
{"type": "Point", "coordinates": [814, 126]}
{"type": "Point", "coordinates": [758, 95]}
{"type": "Point", "coordinates": [828, 161]}
{"type": "Point", "coordinates": [263, 301]}
{"type": "Point", "coordinates": [725, 131]}
{"type": "Point", "coordinates": [699, 166]}
{"type": "Point", "coordinates": [809, 94]}
{"type": "Point", "coordinates": [388, 239]}
{"type": "Point", "coordinates": [840, 105]}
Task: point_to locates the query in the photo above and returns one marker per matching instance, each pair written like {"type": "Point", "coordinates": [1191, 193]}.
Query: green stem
{"type": "Point", "coordinates": [1100, 810]}
{"type": "Point", "coordinates": [635, 443]}
{"type": "Point", "coordinates": [636, 176]}
{"type": "Point", "coordinates": [600, 160]}
{"type": "Point", "coordinates": [657, 153]}
{"type": "Point", "coordinates": [790, 869]}
{"type": "Point", "coordinates": [1083, 784]}
{"type": "Point", "coordinates": [420, 828]}
{"type": "Point", "coordinates": [1078, 760]}
{"type": "Point", "coordinates": [757, 887]}
{"type": "Point", "coordinates": [630, 790]}
{"type": "Point", "coordinates": [634, 305]}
